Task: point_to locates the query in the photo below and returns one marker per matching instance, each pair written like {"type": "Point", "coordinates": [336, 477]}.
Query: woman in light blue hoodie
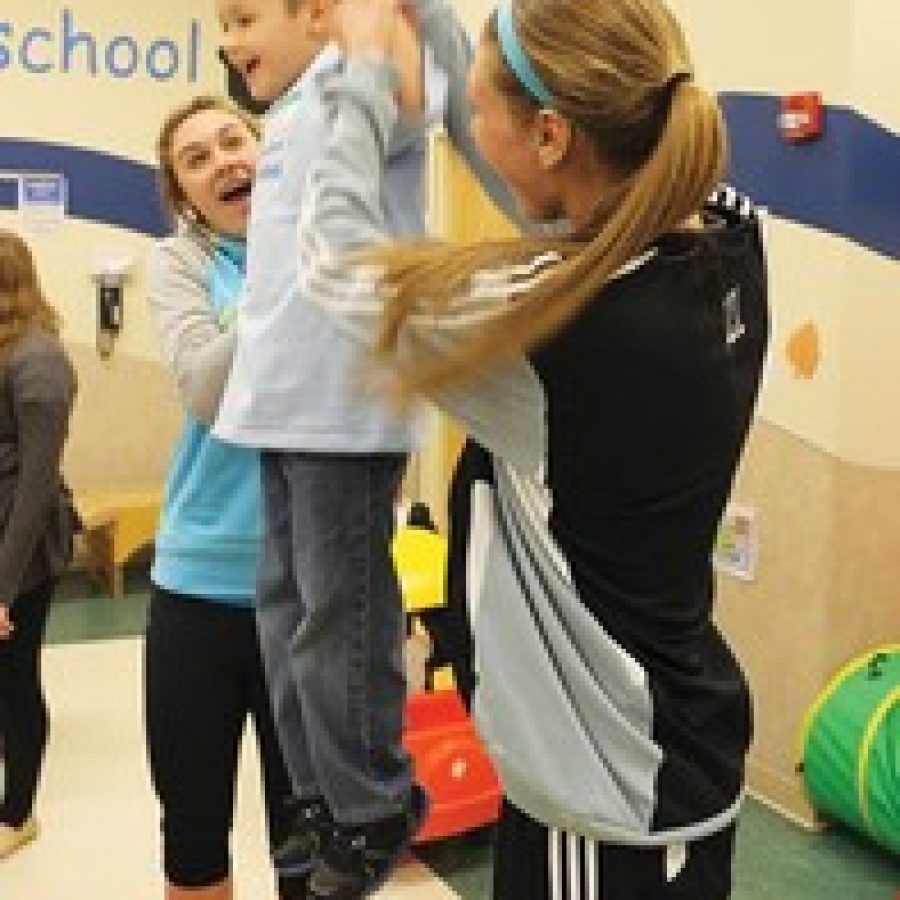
{"type": "Point", "coordinates": [204, 673]}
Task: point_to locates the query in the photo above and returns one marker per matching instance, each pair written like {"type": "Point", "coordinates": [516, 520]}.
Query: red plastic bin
{"type": "Point", "coordinates": [451, 764]}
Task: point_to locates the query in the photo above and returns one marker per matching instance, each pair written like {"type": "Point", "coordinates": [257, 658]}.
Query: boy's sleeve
{"type": "Point", "coordinates": [342, 209]}
{"type": "Point", "coordinates": [452, 48]}
{"type": "Point", "coordinates": [196, 349]}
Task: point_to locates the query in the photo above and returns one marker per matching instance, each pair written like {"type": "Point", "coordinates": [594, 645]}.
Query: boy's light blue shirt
{"type": "Point", "coordinates": [297, 382]}
{"type": "Point", "coordinates": [211, 522]}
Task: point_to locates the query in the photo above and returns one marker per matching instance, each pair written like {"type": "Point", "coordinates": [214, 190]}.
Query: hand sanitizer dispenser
{"type": "Point", "coordinates": [110, 274]}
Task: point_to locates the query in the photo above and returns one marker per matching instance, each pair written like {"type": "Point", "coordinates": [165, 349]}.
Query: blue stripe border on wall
{"type": "Point", "coordinates": [847, 182]}
{"type": "Point", "coordinates": [102, 187]}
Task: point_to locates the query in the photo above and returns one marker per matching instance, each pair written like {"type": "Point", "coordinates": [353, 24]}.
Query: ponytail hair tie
{"type": "Point", "coordinates": [677, 77]}
{"type": "Point", "coordinates": [668, 88]}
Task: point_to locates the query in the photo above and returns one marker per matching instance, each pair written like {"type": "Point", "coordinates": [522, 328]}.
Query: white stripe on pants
{"type": "Point", "coordinates": [565, 852]}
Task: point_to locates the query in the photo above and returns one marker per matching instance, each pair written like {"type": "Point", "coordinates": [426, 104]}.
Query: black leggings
{"type": "Point", "coordinates": [203, 676]}
{"type": "Point", "coordinates": [24, 722]}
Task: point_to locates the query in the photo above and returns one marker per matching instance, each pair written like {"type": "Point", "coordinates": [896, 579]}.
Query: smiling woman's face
{"type": "Point", "coordinates": [213, 157]}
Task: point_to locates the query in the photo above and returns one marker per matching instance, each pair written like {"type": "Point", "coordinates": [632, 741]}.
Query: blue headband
{"type": "Point", "coordinates": [516, 58]}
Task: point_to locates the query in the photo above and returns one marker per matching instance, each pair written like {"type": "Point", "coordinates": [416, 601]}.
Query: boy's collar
{"type": "Point", "coordinates": [233, 248]}
{"type": "Point", "coordinates": [328, 60]}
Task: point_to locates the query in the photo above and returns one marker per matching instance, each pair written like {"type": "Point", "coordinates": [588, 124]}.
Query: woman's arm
{"type": "Point", "coordinates": [441, 29]}
{"type": "Point", "coordinates": [503, 409]}
{"type": "Point", "coordinates": [42, 384]}
{"type": "Point", "coordinates": [197, 348]}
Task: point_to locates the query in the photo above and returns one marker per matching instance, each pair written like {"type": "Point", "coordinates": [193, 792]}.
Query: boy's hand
{"type": "Point", "coordinates": [367, 28]}
{"type": "Point", "coordinates": [384, 31]}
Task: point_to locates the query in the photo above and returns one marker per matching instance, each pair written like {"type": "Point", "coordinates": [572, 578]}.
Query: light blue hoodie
{"type": "Point", "coordinates": [297, 382]}
{"type": "Point", "coordinates": [211, 522]}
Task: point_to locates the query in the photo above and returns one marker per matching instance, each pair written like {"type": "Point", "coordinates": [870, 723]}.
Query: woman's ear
{"type": "Point", "coordinates": [555, 136]}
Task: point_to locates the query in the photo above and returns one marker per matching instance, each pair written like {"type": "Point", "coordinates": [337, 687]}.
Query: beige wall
{"type": "Point", "coordinates": [125, 422]}
{"type": "Point", "coordinates": [126, 416]}
{"type": "Point", "coordinates": [826, 588]}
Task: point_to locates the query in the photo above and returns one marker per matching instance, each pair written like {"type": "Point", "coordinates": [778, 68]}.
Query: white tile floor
{"type": "Point", "coordinates": [99, 837]}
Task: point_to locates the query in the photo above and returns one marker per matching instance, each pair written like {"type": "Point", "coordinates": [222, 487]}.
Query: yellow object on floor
{"type": "Point", "coordinates": [117, 523]}
{"type": "Point", "coordinates": [11, 839]}
{"type": "Point", "coordinates": [420, 557]}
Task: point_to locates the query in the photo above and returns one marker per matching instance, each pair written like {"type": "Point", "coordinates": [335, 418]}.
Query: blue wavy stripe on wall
{"type": "Point", "coordinates": [102, 187]}
{"type": "Point", "coordinates": [847, 182]}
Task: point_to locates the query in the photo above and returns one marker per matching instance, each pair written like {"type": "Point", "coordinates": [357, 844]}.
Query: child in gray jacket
{"type": "Point", "coordinates": [329, 609]}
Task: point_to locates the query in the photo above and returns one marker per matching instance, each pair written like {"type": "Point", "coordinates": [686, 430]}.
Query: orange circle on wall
{"type": "Point", "coordinates": [804, 351]}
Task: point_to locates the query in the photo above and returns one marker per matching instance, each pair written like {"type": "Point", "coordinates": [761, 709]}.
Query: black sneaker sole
{"type": "Point", "coordinates": [420, 806]}
{"type": "Point", "coordinates": [295, 855]}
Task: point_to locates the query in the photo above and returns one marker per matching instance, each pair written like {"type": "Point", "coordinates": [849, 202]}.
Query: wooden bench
{"type": "Point", "coordinates": [117, 523]}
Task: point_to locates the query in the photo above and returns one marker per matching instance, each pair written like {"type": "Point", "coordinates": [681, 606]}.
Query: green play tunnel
{"type": "Point", "coordinates": [851, 747]}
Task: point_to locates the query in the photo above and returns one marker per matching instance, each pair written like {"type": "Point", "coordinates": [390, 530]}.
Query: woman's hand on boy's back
{"type": "Point", "coordinates": [385, 31]}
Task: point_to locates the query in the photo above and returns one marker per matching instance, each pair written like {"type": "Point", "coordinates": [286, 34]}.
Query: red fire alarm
{"type": "Point", "coordinates": [802, 116]}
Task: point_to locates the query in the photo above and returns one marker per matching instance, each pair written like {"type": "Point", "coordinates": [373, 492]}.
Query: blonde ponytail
{"type": "Point", "coordinates": [670, 184]}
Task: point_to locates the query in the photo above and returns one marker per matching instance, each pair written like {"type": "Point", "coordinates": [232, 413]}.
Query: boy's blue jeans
{"type": "Point", "coordinates": [332, 625]}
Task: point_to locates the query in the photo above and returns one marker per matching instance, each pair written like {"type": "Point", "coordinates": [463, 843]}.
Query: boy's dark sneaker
{"type": "Point", "coordinates": [357, 860]}
{"type": "Point", "coordinates": [311, 821]}
{"type": "Point", "coordinates": [293, 887]}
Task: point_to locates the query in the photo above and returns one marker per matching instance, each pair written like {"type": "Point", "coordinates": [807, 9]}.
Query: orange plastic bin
{"type": "Point", "coordinates": [449, 759]}
{"type": "Point", "coordinates": [451, 764]}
